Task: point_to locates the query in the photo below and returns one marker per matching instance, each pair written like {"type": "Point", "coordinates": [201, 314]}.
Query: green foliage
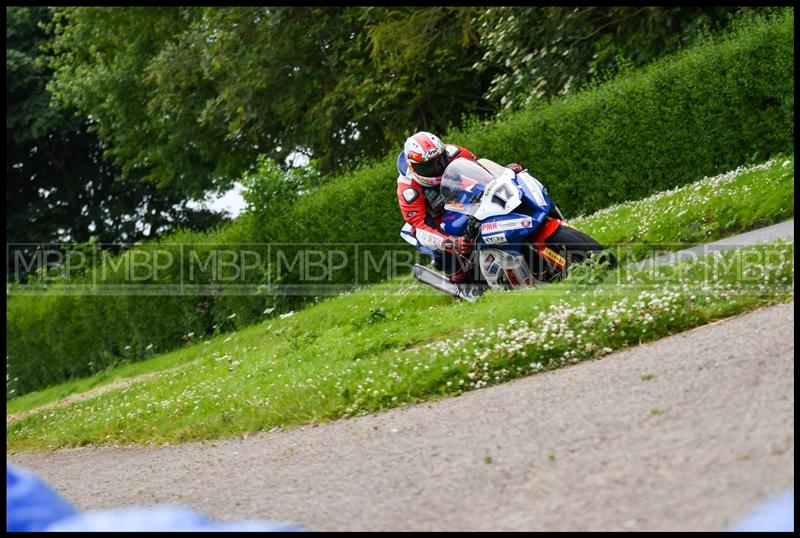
{"type": "Point", "coordinates": [699, 112]}
{"type": "Point", "coordinates": [592, 271]}
{"type": "Point", "coordinates": [58, 187]}
{"type": "Point", "coordinates": [269, 189]}
{"type": "Point", "coordinates": [99, 56]}
{"type": "Point", "coordinates": [182, 100]}
{"type": "Point", "coordinates": [190, 96]}
{"type": "Point", "coordinates": [708, 109]}
{"type": "Point", "coordinates": [541, 52]}
{"type": "Point", "coordinates": [423, 76]}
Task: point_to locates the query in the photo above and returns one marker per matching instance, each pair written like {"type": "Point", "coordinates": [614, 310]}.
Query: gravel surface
{"type": "Point", "coordinates": [685, 433]}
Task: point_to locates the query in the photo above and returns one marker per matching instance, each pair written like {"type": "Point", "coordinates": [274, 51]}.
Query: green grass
{"type": "Point", "coordinates": [701, 212]}
{"type": "Point", "coordinates": [398, 343]}
{"type": "Point", "coordinates": [706, 210]}
{"type": "Point", "coordinates": [76, 386]}
{"type": "Point", "coordinates": [330, 346]}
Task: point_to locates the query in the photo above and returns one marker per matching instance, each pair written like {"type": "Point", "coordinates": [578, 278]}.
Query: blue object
{"type": "Point", "coordinates": [774, 515]}
{"type": "Point", "coordinates": [463, 185]}
{"type": "Point", "coordinates": [402, 163]}
{"type": "Point", "coordinates": [158, 518]}
{"type": "Point", "coordinates": [32, 505]}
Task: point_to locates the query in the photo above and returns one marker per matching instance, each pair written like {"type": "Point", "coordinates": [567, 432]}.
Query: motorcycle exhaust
{"type": "Point", "coordinates": [436, 280]}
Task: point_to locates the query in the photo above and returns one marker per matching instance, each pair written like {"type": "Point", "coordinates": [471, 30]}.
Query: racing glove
{"type": "Point", "coordinates": [461, 245]}
{"type": "Point", "coordinates": [516, 168]}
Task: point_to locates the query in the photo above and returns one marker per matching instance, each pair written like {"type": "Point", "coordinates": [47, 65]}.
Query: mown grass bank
{"type": "Point", "coordinates": [740, 200]}
{"type": "Point", "coordinates": [397, 343]}
{"type": "Point", "coordinates": [736, 201]}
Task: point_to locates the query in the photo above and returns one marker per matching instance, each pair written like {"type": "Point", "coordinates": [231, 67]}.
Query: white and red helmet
{"type": "Point", "coordinates": [426, 157]}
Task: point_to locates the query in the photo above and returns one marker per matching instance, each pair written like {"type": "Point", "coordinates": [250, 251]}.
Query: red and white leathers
{"type": "Point", "coordinates": [422, 206]}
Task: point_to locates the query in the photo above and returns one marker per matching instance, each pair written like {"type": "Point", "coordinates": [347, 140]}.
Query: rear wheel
{"type": "Point", "coordinates": [575, 247]}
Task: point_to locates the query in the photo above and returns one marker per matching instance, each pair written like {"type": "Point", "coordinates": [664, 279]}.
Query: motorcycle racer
{"type": "Point", "coordinates": [421, 165]}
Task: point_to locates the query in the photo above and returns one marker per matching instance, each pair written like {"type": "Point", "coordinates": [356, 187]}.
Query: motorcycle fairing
{"type": "Point", "coordinates": [510, 228]}
{"type": "Point", "coordinates": [407, 233]}
{"type": "Point", "coordinates": [534, 193]}
{"type": "Point", "coordinates": [453, 223]}
{"type": "Point", "coordinates": [499, 266]}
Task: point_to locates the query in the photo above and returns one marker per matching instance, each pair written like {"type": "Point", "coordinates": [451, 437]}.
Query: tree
{"type": "Point", "coordinates": [58, 187]}
{"type": "Point", "coordinates": [189, 97]}
{"type": "Point", "coordinates": [541, 52]}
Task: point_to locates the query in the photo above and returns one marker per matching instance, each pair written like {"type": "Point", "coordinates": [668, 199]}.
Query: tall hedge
{"type": "Point", "coordinates": [700, 112]}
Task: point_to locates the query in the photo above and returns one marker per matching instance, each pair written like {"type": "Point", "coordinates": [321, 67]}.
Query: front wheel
{"type": "Point", "coordinates": [575, 247]}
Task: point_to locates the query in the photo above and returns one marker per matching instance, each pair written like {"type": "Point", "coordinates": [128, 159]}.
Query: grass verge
{"type": "Point", "coordinates": [704, 211]}
{"type": "Point", "coordinates": [397, 343]}
{"type": "Point", "coordinates": [740, 200]}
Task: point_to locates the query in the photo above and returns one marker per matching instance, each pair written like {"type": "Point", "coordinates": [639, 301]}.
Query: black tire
{"type": "Point", "coordinates": [575, 246]}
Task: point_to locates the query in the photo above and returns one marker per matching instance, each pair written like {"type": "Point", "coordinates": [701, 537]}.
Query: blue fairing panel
{"type": "Point", "coordinates": [530, 201]}
{"type": "Point", "coordinates": [407, 233]}
{"type": "Point", "coordinates": [453, 223]}
{"type": "Point", "coordinates": [538, 215]}
{"type": "Point", "coordinates": [516, 233]}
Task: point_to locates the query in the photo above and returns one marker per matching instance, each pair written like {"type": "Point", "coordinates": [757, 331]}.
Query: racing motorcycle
{"type": "Point", "coordinates": [521, 236]}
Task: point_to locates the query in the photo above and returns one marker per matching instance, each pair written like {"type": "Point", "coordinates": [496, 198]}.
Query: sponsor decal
{"type": "Point", "coordinates": [415, 153]}
{"type": "Point", "coordinates": [512, 278]}
{"type": "Point", "coordinates": [499, 238]}
{"type": "Point", "coordinates": [489, 264]}
{"type": "Point", "coordinates": [491, 186]}
{"type": "Point", "coordinates": [516, 223]}
{"type": "Point", "coordinates": [554, 257]}
{"type": "Point", "coordinates": [506, 225]}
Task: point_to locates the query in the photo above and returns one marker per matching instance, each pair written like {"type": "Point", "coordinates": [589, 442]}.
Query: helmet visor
{"type": "Point", "coordinates": [432, 168]}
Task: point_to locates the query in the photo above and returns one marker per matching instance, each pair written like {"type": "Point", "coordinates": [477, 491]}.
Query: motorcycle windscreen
{"type": "Point", "coordinates": [462, 185]}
